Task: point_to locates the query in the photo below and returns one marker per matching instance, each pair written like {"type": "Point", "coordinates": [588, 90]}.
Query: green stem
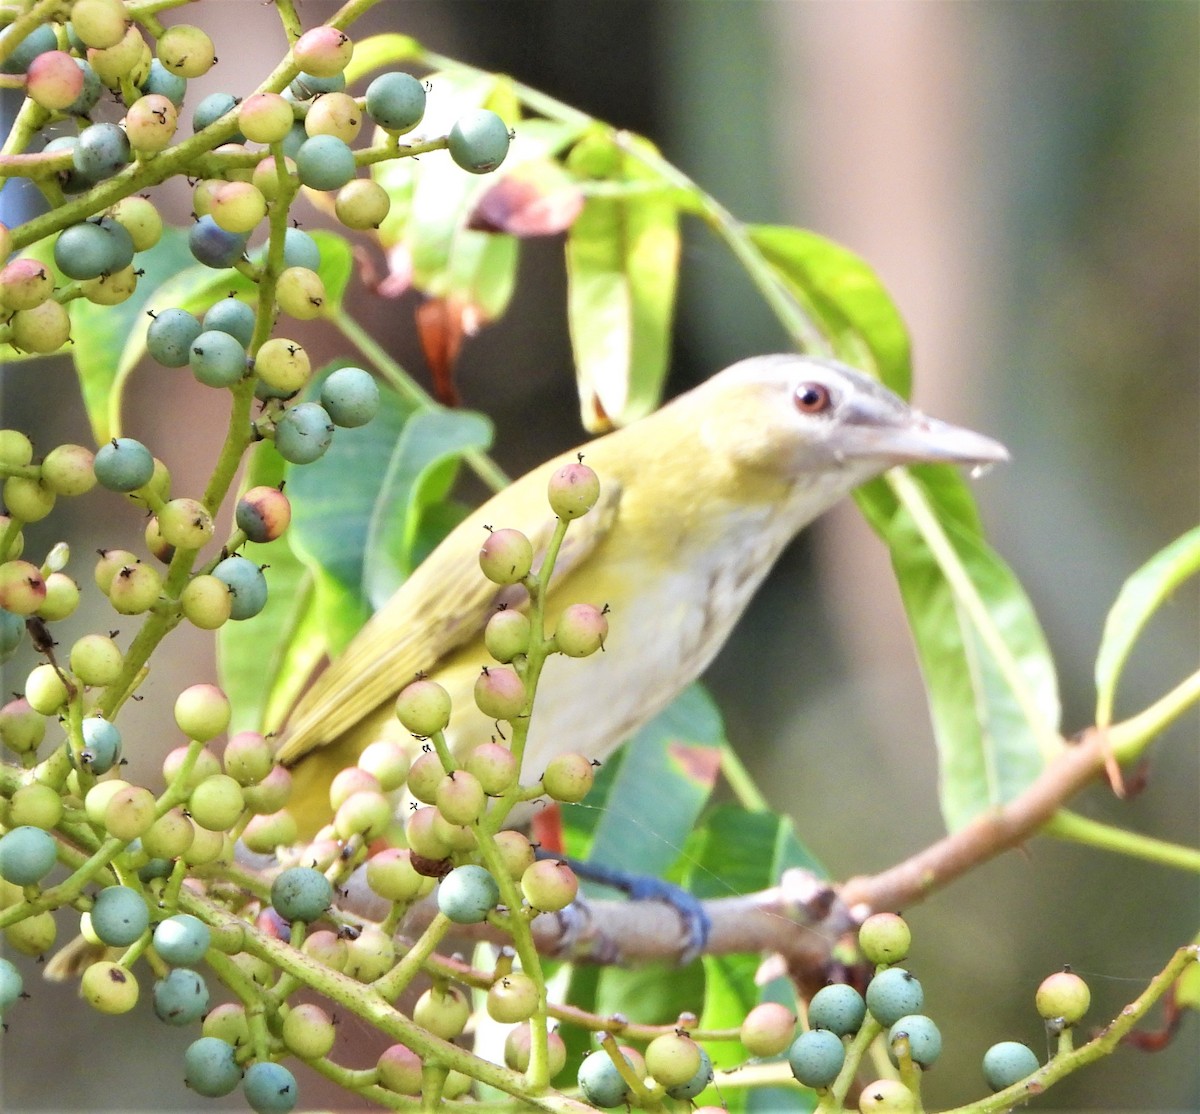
{"type": "Point", "coordinates": [741, 781]}
{"type": "Point", "coordinates": [1100, 1046]}
{"type": "Point", "coordinates": [404, 385]}
{"type": "Point", "coordinates": [1105, 837]}
{"type": "Point", "coordinates": [913, 499]}
{"type": "Point", "coordinates": [1129, 738]}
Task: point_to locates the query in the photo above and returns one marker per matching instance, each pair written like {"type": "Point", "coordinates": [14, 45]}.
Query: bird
{"type": "Point", "coordinates": [697, 502]}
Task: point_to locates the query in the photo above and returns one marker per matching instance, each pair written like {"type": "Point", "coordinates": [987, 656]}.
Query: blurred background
{"type": "Point", "coordinates": [1025, 177]}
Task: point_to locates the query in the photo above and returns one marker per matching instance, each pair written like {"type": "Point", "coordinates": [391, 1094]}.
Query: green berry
{"type": "Point", "coordinates": [573, 490]}
{"type": "Point", "coordinates": [506, 556]}
{"type": "Point", "coordinates": [568, 778]}
{"type": "Point", "coordinates": [350, 397]}
{"type": "Point", "coordinates": [892, 994]}
{"type": "Point", "coordinates": [479, 141]}
{"type": "Point", "coordinates": [423, 707]}
{"type": "Point", "coordinates": [1064, 997]}
{"type": "Point", "coordinates": [308, 1031]}
{"type": "Point", "coordinates": [109, 988]}
{"type": "Point", "coordinates": [924, 1039]}
{"type": "Point", "coordinates": [301, 894]}
{"type": "Point", "coordinates": [443, 1010]}
{"type": "Point", "coordinates": [202, 712]}
{"type": "Point", "coordinates": [283, 365]}
{"type": "Point", "coordinates": [186, 51]}
{"type": "Point", "coordinates": [839, 1008]}
{"type": "Point", "coordinates": [323, 51]}
{"type": "Point", "coordinates": [549, 885]}
{"type": "Point", "coordinates": [581, 630]}
{"type": "Point", "coordinates": [123, 464]}
{"type": "Point", "coordinates": [216, 803]}
{"type": "Point", "coordinates": [500, 693]}
{"type": "Point", "coordinates": [246, 583]}
{"type": "Point", "coordinates": [884, 938]}
{"type": "Point", "coordinates": [673, 1058]}
{"type": "Point", "coordinates": [887, 1096]}
{"type": "Point", "coordinates": [816, 1058]}
{"type": "Point", "coordinates": [362, 203]}
{"type": "Point", "coordinates": [467, 894]}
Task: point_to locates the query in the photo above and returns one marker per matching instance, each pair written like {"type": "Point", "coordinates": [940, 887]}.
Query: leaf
{"type": "Point", "coordinates": [622, 271]}
{"type": "Point", "coordinates": [665, 776]}
{"type": "Point", "coordinates": [418, 480]}
{"type": "Point", "coordinates": [837, 287]}
{"type": "Point", "coordinates": [1139, 598]}
{"type": "Point", "coordinates": [536, 199]}
{"type": "Point", "coordinates": [377, 51]}
{"type": "Point", "coordinates": [988, 751]}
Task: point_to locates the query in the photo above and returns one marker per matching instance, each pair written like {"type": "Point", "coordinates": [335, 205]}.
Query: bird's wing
{"type": "Point", "coordinates": [441, 607]}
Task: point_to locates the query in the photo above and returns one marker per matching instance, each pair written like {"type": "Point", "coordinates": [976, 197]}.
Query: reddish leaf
{"type": "Point", "coordinates": [442, 324]}
{"type": "Point", "coordinates": [536, 199]}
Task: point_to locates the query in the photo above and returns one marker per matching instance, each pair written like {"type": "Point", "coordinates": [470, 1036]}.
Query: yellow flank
{"type": "Point", "coordinates": [697, 501]}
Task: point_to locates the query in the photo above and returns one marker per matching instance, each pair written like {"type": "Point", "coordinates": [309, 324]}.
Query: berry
{"type": "Point", "coordinates": [519, 1043]}
{"type": "Point", "coordinates": [169, 836]}
{"type": "Point", "coordinates": [362, 203]}
{"type": "Point", "coordinates": [367, 814]}
{"type": "Point", "coordinates": [400, 1070]}
{"type": "Point", "coordinates": [84, 251]}
{"type": "Point", "coordinates": [1064, 997]}
{"type": "Point", "coordinates": [500, 693]}
{"type": "Point", "coordinates": [35, 804]}
{"type": "Point", "coordinates": [265, 117]}
{"type": "Point", "coordinates": [506, 635]}
{"type": "Point", "coordinates": [839, 1008]}
{"type": "Point", "coordinates": [690, 1088]}
{"type": "Point", "coordinates": [601, 1081]}
{"type": "Point", "coordinates": [350, 396]}
{"type": "Point", "coordinates": [22, 727]}
{"type": "Point", "coordinates": [324, 162]}
{"type": "Point", "coordinates": [581, 630]}
{"type": "Point", "coordinates": [506, 556]}
{"type": "Point", "coordinates": [283, 365]}
{"type": "Point", "coordinates": [1007, 1062]}
{"type": "Point", "coordinates": [12, 629]}
{"type": "Point", "coordinates": [301, 893]}
{"type": "Point", "coordinates": [396, 102]}
{"type": "Point", "coordinates": [237, 206]}
{"type": "Point", "coordinates": [27, 855]}
{"type": "Point", "coordinates": [207, 602]}
{"type": "Point", "coordinates": [218, 359]}
{"type": "Point", "coordinates": [103, 149]}
{"type": "Point", "coordinates": [186, 51]}
{"type": "Point", "coordinates": [54, 81]}
{"type": "Point", "coordinates": [182, 939]}
{"type": "Point", "coordinates": [301, 250]}
{"type": "Point", "coordinates": [22, 587]}
{"type": "Point", "coordinates": [672, 1058]}
{"type": "Point", "coordinates": [884, 938]}
{"type": "Point", "coordinates": [38, 41]}
{"type": "Point", "coordinates": [479, 141]}
{"type": "Point", "coordinates": [247, 586]}
{"type": "Point", "coordinates": [887, 1096]}
{"type": "Point", "coordinates": [300, 293]}
{"type": "Point", "coordinates": [493, 767]}
{"type": "Point", "coordinates": [231, 316]}
{"type": "Point", "coordinates": [549, 885]}
{"type": "Point", "coordinates": [109, 988]}
{"type": "Point", "coordinates": [160, 80]}
{"type": "Point", "coordinates": [568, 778]}
{"type": "Point", "coordinates": [391, 875]}
{"type": "Point", "coordinates": [123, 464]}
{"type": "Point", "coordinates": [265, 832]}
{"type": "Point", "coordinates": [119, 916]}
{"type": "Point", "coordinates": [98, 23]}
{"type": "Point", "coordinates": [90, 95]}
{"type": "Point", "coordinates": [41, 330]}
{"type": "Point", "coordinates": [129, 813]}
{"type": "Point", "coordinates": [460, 798]}
{"type": "Point", "coordinates": [45, 690]}
{"type": "Point", "coordinates": [308, 1031]}
{"type": "Point", "coordinates": [335, 114]}
{"type": "Point", "coordinates": [25, 284]}
{"type": "Point", "coordinates": [67, 470]}
{"type": "Point", "coordinates": [185, 523]}
{"type": "Point", "coordinates": [96, 659]}
{"type": "Point", "coordinates": [216, 803]}
{"type": "Point", "coordinates": [924, 1039]}
{"type": "Point", "coordinates": [11, 985]}
{"type": "Point", "coordinates": [62, 597]}
{"type": "Point", "coordinates": [130, 58]}
{"type": "Point", "coordinates": [213, 246]}
{"type": "Point", "coordinates": [573, 490]}
{"type": "Point", "coordinates": [512, 998]}
{"type": "Point", "coordinates": [210, 1067]}
{"type": "Point", "coordinates": [170, 337]}
{"type": "Point", "coordinates": [387, 762]}
{"type": "Point", "coordinates": [892, 994]}
{"type": "Point", "coordinates": [26, 498]}
{"type": "Point", "coordinates": [212, 108]}
{"type": "Point", "coordinates": [303, 433]}
{"type": "Point", "coordinates": [443, 1010]}
{"type": "Point", "coordinates": [270, 1088]}
{"type": "Point", "coordinates": [816, 1058]}
{"type": "Point", "coordinates": [323, 51]}
{"type": "Point", "coordinates": [181, 997]}
{"type": "Point", "coordinates": [135, 589]}
{"type": "Point", "coordinates": [150, 123]}
{"type": "Point", "coordinates": [467, 894]}
{"type": "Point", "coordinates": [305, 86]}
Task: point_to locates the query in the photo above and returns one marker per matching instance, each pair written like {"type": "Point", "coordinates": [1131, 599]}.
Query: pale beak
{"type": "Point", "coordinates": [927, 440]}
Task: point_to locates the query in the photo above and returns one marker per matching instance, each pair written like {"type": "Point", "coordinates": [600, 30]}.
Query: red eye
{"type": "Point", "coordinates": [813, 398]}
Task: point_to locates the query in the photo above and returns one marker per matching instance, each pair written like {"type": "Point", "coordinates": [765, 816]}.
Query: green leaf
{"type": "Point", "coordinates": [988, 751]}
{"type": "Point", "coordinates": [664, 779]}
{"type": "Point", "coordinates": [1139, 598]}
{"type": "Point", "coordinates": [622, 271]}
{"type": "Point", "coordinates": [377, 51]}
{"type": "Point", "coordinates": [651, 994]}
{"type": "Point", "coordinates": [420, 475]}
{"type": "Point", "coordinates": [836, 286]}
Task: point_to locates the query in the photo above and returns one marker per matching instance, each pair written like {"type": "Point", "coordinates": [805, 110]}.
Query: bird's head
{"type": "Point", "coordinates": [794, 416]}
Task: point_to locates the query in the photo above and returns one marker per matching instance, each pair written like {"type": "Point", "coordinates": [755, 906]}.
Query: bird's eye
{"type": "Point", "coordinates": [813, 398]}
